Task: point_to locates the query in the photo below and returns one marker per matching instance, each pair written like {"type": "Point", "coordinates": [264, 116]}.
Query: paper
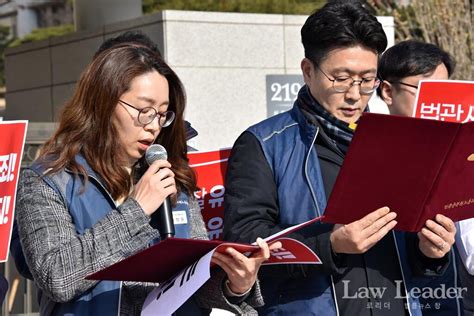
{"type": "Point", "coordinates": [170, 295]}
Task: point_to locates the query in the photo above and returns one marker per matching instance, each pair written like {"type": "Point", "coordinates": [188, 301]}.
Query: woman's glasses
{"type": "Point", "coordinates": [148, 114]}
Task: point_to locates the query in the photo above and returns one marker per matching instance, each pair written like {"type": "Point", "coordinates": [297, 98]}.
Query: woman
{"type": "Point", "coordinates": [80, 210]}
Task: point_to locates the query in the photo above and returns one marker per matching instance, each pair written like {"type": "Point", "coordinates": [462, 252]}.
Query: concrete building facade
{"type": "Point", "coordinates": [23, 16]}
{"type": "Point", "coordinates": [223, 60]}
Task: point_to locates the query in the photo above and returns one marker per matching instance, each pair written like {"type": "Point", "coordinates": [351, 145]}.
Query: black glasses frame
{"type": "Point", "coordinates": [147, 119]}
{"type": "Point", "coordinates": [405, 84]}
{"type": "Point", "coordinates": [354, 81]}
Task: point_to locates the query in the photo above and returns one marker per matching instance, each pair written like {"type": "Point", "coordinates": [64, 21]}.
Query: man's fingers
{"type": "Point", "coordinates": [446, 222]}
{"type": "Point", "coordinates": [379, 234]}
{"type": "Point", "coordinates": [436, 240]}
{"type": "Point", "coordinates": [371, 218]}
{"type": "Point", "coordinates": [421, 237]}
{"type": "Point", "coordinates": [429, 248]}
{"type": "Point", "coordinates": [443, 227]}
{"type": "Point", "coordinates": [437, 229]}
{"type": "Point", "coordinates": [379, 223]}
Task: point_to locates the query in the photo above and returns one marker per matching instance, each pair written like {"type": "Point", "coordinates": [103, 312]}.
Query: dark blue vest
{"type": "Point", "coordinates": [288, 148]}
{"type": "Point", "coordinates": [87, 207]}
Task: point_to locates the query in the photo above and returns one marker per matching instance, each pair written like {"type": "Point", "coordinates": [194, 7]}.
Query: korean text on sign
{"type": "Point", "coordinates": [11, 150]}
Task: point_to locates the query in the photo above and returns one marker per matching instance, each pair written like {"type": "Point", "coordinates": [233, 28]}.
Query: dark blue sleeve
{"type": "Point", "coordinates": [421, 264]}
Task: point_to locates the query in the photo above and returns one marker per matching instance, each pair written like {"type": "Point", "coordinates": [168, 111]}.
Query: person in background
{"type": "Point", "coordinates": [401, 68]}
{"type": "Point", "coordinates": [86, 202]}
{"type": "Point", "coordinates": [135, 38]}
{"type": "Point", "coordinates": [282, 170]}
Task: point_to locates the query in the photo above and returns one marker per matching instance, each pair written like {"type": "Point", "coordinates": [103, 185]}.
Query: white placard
{"type": "Point", "coordinates": [169, 296]}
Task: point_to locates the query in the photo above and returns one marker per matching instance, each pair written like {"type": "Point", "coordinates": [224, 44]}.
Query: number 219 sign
{"type": "Point", "coordinates": [282, 91]}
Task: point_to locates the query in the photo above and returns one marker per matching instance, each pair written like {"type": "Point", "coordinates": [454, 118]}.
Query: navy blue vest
{"type": "Point", "coordinates": [288, 149]}
{"type": "Point", "coordinates": [87, 207]}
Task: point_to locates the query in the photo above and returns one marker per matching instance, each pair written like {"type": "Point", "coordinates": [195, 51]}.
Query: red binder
{"type": "Point", "coordinates": [159, 262]}
{"type": "Point", "coordinates": [417, 167]}
{"type": "Point", "coordinates": [163, 260]}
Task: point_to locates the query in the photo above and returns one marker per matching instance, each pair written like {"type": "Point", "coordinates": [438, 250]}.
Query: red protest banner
{"type": "Point", "coordinates": [11, 150]}
{"type": "Point", "coordinates": [445, 100]}
{"type": "Point", "coordinates": [210, 168]}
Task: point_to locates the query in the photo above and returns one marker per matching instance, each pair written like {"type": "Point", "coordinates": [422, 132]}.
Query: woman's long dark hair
{"type": "Point", "coordinates": [85, 124]}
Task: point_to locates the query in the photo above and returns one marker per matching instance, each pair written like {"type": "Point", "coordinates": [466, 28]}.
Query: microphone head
{"type": "Point", "coordinates": [155, 152]}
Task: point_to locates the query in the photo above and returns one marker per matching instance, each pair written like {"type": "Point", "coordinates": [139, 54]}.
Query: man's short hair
{"type": "Point", "coordinates": [412, 58]}
{"type": "Point", "coordinates": [341, 23]}
{"type": "Point", "coordinates": [136, 38]}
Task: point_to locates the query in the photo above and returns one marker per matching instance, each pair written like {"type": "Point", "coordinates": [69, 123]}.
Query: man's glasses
{"type": "Point", "coordinates": [343, 84]}
{"type": "Point", "coordinates": [148, 114]}
{"type": "Point", "coordinates": [405, 84]}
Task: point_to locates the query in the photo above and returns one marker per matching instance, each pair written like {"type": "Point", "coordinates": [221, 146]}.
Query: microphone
{"type": "Point", "coordinates": [162, 219]}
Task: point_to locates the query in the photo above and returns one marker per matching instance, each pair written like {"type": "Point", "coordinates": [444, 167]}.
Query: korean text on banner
{"type": "Point", "coordinates": [210, 168]}
{"type": "Point", "coordinates": [445, 100]}
{"type": "Point", "coordinates": [11, 150]}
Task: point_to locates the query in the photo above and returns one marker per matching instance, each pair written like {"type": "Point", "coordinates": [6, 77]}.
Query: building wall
{"type": "Point", "coordinates": [23, 16]}
{"type": "Point", "coordinates": [222, 58]}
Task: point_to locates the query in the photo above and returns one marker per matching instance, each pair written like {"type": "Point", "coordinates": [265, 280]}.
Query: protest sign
{"type": "Point", "coordinates": [210, 168]}
{"type": "Point", "coordinates": [11, 150]}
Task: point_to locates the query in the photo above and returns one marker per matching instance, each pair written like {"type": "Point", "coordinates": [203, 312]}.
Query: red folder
{"type": "Point", "coordinates": [417, 167]}
{"type": "Point", "coordinates": [159, 262]}
{"type": "Point", "coordinates": [165, 259]}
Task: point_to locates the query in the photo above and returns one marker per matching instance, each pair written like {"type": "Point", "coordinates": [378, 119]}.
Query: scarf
{"type": "Point", "coordinates": [335, 129]}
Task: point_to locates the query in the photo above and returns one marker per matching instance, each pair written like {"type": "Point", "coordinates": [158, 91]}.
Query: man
{"type": "Point", "coordinates": [282, 170]}
{"type": "Point", "coordinates": [401, 68]}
